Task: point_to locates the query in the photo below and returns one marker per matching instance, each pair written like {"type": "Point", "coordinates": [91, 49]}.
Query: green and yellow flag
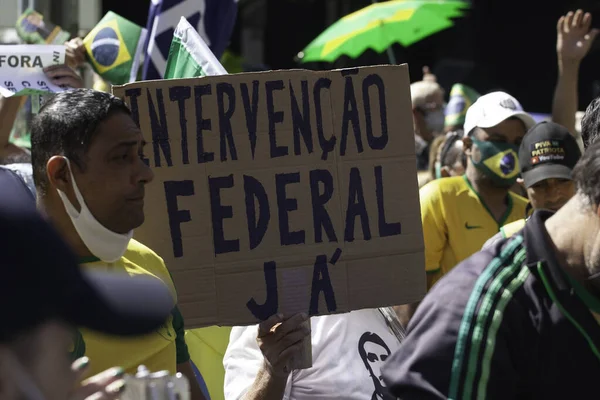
{"type": "Point", "coordinates": [461, 98]}
{"type": "Point", "coordinates": [114, 47]}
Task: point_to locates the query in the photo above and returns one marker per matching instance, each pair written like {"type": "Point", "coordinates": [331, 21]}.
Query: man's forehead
{"type": "Point", "coordinates": [118, 128]}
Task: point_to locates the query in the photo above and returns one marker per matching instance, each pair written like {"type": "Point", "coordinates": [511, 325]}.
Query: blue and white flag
{"type": "Point", "coordinates": [213, 20]}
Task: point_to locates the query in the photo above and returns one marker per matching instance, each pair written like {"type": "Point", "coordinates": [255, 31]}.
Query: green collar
{"type": "Point", "coordinates": [586, 297]}
{"type": "Point", "coordinates": [88, 259]}
{"type": "Point", "coordinates": [509, 204]}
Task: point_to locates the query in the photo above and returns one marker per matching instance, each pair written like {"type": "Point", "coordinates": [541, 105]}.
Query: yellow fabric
{"type": "Point", "coordinates": [157, 350]}
{"type": "Point", "coordinates": [512, 228]}
{"type": "Point", "coordinates": [456, 224]}
{"type": "Point", "coordinates": [207, 348]}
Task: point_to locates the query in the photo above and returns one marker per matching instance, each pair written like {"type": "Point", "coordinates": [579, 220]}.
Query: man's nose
{"type": "Point", "coordinates": [146, 175]}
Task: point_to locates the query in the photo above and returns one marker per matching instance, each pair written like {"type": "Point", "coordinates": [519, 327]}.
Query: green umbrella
{"type": "Point", "coordinates": [380, 25]}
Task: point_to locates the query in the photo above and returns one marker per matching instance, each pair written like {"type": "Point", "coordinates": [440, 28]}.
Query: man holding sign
{"type": "Point", "coordinates": [278, 194]}
{"type": "Point", "coordinates": [87, 160]}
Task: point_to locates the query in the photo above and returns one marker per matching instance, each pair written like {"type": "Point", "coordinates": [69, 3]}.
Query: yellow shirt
{"type": "Point", "coordinates": [456, 223]}
{"type": "Point", "coordinates": [160, 350]}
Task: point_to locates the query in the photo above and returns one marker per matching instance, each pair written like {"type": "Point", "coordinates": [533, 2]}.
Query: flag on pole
{"type": "Point", "coordinates": [212, 19]}
{"type": "Point", "coordinates": [189, 56]}
{"type": "Point", "coordinates": [114, 47]}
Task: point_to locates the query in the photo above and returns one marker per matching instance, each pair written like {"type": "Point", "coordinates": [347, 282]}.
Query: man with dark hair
{"type": "Point", "coordinates": [45, 294]}
{"type": "Point", "coordinates": [547, 156]}
{"type": "Point", "coordinates": [374, 352]}
{"type": "Point", "coordinates": [519, 320]}
{"type": "Point", "coordinates": [87, 156]}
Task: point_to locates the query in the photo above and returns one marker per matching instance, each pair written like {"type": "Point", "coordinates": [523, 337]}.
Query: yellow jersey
{"type": "Point", "coordinates": [456, 223]}
{"type": "Point", "coordinates": [159, 350]}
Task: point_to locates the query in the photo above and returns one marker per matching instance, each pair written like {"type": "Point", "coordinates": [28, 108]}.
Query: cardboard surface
{"type": "Point", "coordinates": [301, 182]}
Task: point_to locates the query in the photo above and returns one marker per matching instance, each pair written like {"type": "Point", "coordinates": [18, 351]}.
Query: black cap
{"type": "Point", "coordinates": [548, 151]}
{"type": "Point", "coordinates": [41, 279]}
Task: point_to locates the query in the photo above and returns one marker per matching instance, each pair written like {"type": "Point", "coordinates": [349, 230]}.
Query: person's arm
{"type": "Point", "coordinates": [443, 355]}
{"type": "Point", "coordinates": [9, 108]}
{"type": "Point", "coordinates": [183, 356]}
{"type": "Point", "coordinates": [574, 39]}
{"type": "Point", "coordinates": [434, 234]}
{"type": "Point", "coordinates": [256, 360]}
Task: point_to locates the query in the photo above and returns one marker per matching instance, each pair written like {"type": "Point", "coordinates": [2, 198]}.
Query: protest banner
{"type": "Point", "coordinates": [114, 48]}
{"type": "Point", "coordinates": [32, 28]}
{"type": "Point", "coordinates": [285, 191]}
{"type": "Point", "coordinates": [22, 69]}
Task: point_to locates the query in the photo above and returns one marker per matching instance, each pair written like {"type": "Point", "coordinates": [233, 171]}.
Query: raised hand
{"type": "Point", "coordinates": [574, 36]}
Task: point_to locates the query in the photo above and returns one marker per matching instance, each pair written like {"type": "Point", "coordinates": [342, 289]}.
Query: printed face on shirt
{"type": "Point", "coordinates": [374, 352]}
{"type": "Point", "coordinates": [113, 180]}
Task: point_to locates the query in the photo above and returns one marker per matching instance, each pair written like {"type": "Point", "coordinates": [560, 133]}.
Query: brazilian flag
{"type": "Point", "coordinates": [114, 47]}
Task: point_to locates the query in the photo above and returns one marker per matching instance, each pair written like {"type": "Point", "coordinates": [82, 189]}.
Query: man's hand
{"type": "Point", "coordinates": [574, 36]}
{"type": "Point", "coordinates": [75, 53]}
{"type": "Point", "coordinates": [107, 385]}
{"type": "Point", "coordinates": [280, 339]}
{"type": "Point", "coordinates": [63, 75]}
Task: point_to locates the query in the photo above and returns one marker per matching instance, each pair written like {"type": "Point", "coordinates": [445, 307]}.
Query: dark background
{"type": "Point", "coordinates": [500, 44]}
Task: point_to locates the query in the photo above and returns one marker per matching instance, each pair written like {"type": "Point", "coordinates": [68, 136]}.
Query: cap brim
{"type": "Point", "coordinates": [527, 119]}
{"type": "Point", "coordinates": [549, 171]}
{"type": "Point", "coordinates": [119, 304]}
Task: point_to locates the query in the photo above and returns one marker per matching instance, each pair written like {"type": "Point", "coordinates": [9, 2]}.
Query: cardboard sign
{"type": "Point", "coordinates": [285, 191]}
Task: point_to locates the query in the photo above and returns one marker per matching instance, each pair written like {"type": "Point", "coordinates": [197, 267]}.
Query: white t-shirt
{"type": "Point", "coordinates": [348, 351]}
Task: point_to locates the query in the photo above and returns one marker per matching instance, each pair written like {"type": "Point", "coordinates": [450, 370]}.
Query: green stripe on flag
{"type": "Point", "coordinates": [189, 56]}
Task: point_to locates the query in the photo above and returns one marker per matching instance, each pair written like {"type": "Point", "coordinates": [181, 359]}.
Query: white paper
{"type": "Point", "coordinates": [22, 69]}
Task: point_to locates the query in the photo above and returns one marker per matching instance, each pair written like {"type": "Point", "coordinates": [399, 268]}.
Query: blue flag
{"type": "Point", "coordinates": [213, 19]}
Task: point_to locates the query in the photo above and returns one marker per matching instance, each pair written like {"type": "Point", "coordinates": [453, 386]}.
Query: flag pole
{"type": "Point", "coordinates": [390, 50]}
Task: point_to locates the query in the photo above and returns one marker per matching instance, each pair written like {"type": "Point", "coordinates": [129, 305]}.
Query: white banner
{"type": "Point", "coordinates": [22, 69]}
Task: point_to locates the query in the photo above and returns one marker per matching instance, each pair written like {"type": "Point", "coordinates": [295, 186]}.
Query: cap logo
{"type": "Point", "coordinates": [508, 103]}
{"type": "Point", "coordinates": [547, 151]}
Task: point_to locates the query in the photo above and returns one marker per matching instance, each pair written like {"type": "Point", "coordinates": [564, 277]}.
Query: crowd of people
{"type": "Point", "coordinates": [510, 210]}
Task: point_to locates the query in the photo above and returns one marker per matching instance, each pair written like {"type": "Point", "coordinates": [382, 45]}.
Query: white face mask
{"type": "Point", "coordinates": [105, 244]}
{"type": "Point", "coordinates": [435, 121]}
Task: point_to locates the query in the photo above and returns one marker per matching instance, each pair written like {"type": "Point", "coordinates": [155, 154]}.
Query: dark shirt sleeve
{"type": "Point", "coordinates": [446, 355]}
{"type": "Point", "coordinates": [183, 354]}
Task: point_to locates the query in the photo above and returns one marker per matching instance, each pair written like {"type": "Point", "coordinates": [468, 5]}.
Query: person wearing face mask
{"type": "Point", "coordinates": [460, 213]}
{"type": "Point", "coordinates": [90, 174]}
{"type": "Point", "coordinates": [45, 294]}
{"type": "Point", "coordinates": [428, 117]}
{"type": "Point", "coordinates": [520, 320]}
{"type": "Point", "coordinates": [451, 159]}
{"type": "Point", "coordinates": [547, 157]}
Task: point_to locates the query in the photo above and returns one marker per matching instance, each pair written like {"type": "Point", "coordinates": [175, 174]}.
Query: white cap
{"type": "Point", "coordinates": [491, 109]}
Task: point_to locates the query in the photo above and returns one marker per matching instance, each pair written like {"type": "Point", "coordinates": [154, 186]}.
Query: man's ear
{"type": "Point", "coordinates": [57, 172]}
{"type": "Point", "coordinates": [467, 145]}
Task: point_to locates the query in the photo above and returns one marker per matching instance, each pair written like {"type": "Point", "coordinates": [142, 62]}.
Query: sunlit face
{"type": "Point", "coordinates": [551, 194]}
{"type": "Point", "coordinates": [114, 178]}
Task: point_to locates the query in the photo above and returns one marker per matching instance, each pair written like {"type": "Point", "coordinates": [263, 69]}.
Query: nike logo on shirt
{"type": "Point", "coordinates": [471, 226]}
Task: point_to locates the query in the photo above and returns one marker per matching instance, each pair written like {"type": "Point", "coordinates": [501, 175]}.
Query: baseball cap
{"type": "Point", "coordinates": [42, 280]}
{"type": "Point", "coordinates": [547, 151]}
{"type": "Point", "coordinates": [491, 109]}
